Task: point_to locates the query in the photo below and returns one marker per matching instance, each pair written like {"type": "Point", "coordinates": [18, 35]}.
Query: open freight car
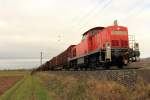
{"type": "Point", "coordinates": [61, 61]}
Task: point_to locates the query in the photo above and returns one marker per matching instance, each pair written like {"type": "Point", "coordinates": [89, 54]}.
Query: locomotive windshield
{"type": "Point", "coordinates": [118, 32]}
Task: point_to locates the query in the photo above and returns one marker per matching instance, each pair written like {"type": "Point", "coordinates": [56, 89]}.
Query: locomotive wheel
{"type": "Point", "coordinates": [92, 66]}
{"type": "Point", "coordinates": [107, 66]}
{"type": "Point", "coordinates": [125, 62]}
{"type": "Point", "coordinates": [76, 69]}
{"type": "Point", "coordinates": [81, 68]}
{"type": "Point", "coordinates": [119, 62]}
{"type": "Point", "coordinates": [120, 65]}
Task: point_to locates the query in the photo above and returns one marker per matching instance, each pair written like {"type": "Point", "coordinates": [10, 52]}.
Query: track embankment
{"type": "Point", "coordinates": [127, 77]}
{"type": "Point", "coordinates": [127, 84]}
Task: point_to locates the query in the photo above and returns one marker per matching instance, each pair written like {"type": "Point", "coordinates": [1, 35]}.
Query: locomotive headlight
{"type": "Point", "coordinates": [136, 46]}
{"type": "Point", "coordinates": [136, 49]}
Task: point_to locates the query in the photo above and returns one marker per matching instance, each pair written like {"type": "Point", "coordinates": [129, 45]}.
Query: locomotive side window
{"type": "Point", "coordinates": [118, 32]}
{"type": "Point", "coordinates": [93, 32]}
{"type": "Point", "coordinates": [83, 37]}
{"type": "Point", "coordinates": [74, 52]}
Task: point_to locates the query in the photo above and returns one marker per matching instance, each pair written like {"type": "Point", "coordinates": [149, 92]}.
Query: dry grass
{"type": "Point", "coordinates": [105, 90]}
{"type": "Point", "coordinates": [70, 87]}
{"type": "Point", "coordinates": [142, 90]}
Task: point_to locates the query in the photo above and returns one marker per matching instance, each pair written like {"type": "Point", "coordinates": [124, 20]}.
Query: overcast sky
{"type": "Point", "coordinates": [30, 26]}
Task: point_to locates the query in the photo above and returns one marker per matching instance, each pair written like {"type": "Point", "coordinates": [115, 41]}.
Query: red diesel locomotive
{"type": "Point", "coordinates": [99, 47]}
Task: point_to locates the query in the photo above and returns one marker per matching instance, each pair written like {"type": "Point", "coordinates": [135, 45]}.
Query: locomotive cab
{"type": "Point", "coordinates": [122, 53]}
{"type": "Point", "coordinates": [119, 45]}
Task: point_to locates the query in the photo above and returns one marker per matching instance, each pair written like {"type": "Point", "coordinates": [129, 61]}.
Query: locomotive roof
{"type": "Point", "coordinates": [95, 28]}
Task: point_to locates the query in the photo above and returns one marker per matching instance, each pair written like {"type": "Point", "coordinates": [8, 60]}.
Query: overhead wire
{"type": "Point", "coordinates": [88, 15]}
{"type": "Point", "coordinates": [106, 4]}
{"type": "Point", "coordinates": [74, 21]}
{"type": "Point", "coordinates": [132, 12]}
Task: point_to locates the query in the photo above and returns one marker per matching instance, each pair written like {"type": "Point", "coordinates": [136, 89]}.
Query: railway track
{"type": "Point", "coordinates": [131, 66]}
{"type": "Point", "coordinates": [125, 68]}
{"type": "Point", "coordinates": [101, 68]}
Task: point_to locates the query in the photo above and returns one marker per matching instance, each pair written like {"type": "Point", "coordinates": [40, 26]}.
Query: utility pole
{"type": "Point", "coordinates": [41, 56]}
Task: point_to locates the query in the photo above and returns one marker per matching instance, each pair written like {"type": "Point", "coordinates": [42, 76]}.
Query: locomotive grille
{"type": "Point", "coordinates": [124, 43]}
{"type": "Point", "coordinates": [115, 43]}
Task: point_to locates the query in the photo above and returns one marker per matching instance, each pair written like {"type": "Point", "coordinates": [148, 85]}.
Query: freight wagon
{"type": "Point", "coordinates": [61, 61]}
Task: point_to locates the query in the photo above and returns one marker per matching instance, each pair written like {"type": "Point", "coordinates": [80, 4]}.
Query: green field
{"type": "Point", "coordinates": [68, 86]}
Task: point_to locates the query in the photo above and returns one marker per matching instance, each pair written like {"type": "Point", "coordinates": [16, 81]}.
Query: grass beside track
{"type": "Point", "coordinates": [29, 88]}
